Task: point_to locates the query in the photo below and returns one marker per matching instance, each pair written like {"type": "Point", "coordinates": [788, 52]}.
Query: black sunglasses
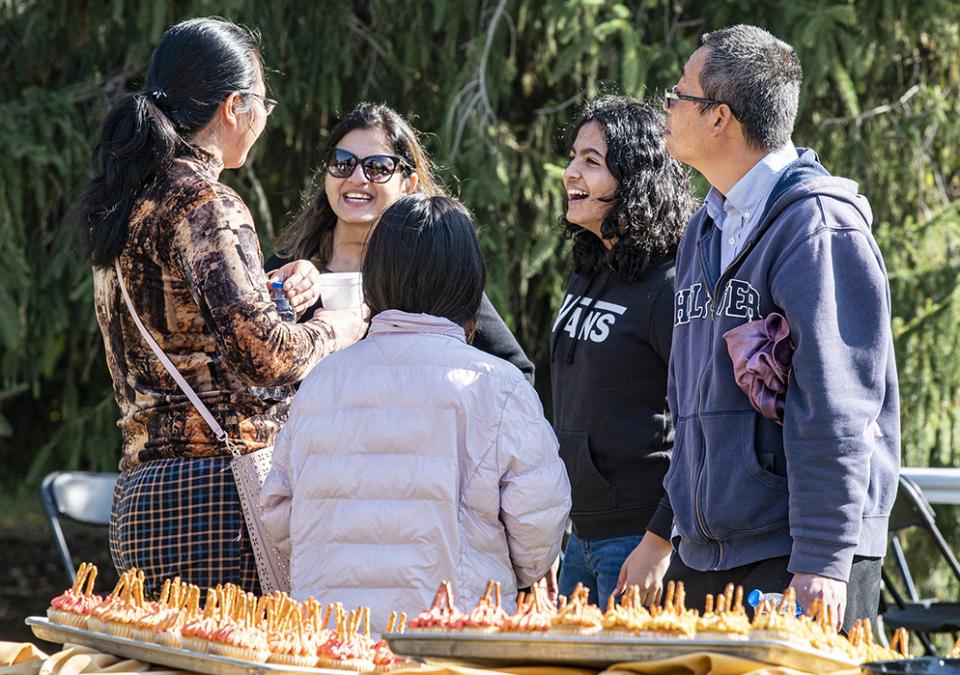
{"type": "Point", "coordinates": [671, 96]}
{"type": "Point", "coordinates": [269, 104]}
{"type": "Point", "coordinates": [377, 168]}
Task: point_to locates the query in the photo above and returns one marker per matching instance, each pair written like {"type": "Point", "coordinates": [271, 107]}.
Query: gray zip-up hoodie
{"type": "Point", "coordinates": [819, 489]}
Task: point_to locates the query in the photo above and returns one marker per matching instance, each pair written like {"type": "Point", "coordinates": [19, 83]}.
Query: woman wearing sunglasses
{"type": "Point", "coordinates": [374, 157]}
{"type": "Point", "coordinates": [176, 260]}
{"type": "Point", "coordinates": [627, 205]}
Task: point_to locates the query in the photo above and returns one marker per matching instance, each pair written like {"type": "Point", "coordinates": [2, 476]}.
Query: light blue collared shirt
{"type": "Point", "coordinates": [738, 214]}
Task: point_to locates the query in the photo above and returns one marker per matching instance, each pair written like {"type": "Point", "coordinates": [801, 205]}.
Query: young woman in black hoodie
{"type": "Point", "coordinates": [628, 203]}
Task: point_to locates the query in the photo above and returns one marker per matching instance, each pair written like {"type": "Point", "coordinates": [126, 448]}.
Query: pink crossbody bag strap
{"type": "Point", "coordinates": [172, 369]}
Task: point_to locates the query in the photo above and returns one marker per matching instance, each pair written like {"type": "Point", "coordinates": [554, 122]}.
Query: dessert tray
{"type": "Point", "coordinates": [234, 623]}
{"type": "Point", "coordinates": [181, 659]}
{"type": "Point", "coordinates": [599, 651]}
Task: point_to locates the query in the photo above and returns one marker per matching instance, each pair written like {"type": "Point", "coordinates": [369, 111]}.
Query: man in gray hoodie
{"type": "Point", "coordinates": [800, 493]}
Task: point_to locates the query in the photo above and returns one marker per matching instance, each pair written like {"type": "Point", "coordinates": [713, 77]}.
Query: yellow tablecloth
{"type": "Point", "coordinates": [26, 659]}
{"type": "Point", "coordinates": [18, 658]}
{"type": "Point", "coordinates": [707, 664]}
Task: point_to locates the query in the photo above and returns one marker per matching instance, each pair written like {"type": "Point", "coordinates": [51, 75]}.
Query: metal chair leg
{"type": "Point", "coordinates": [52, 512]}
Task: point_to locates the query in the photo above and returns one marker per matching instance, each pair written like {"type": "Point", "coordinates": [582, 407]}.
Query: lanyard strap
{"type": "Point", "coordinates": [172, 369]}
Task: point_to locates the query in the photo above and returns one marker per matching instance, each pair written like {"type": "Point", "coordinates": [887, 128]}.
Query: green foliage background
{"type": "Point", "coordinates": [493, 83]}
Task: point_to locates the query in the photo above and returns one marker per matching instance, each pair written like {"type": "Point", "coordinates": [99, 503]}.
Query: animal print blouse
{"type": "Point", "coordinates": [194, 270]}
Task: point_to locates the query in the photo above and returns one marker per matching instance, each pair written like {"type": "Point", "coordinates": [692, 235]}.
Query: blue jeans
{"type": "Point", "coordinates": [596, 563]}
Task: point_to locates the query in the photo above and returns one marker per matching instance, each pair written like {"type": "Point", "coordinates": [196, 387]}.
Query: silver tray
{"type": "Point", "coordinates": [599, 651]}
{"type": "Point", "coordinates": [181, 659]}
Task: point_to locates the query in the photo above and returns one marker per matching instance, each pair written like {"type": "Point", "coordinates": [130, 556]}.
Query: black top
{"type": "Point", "coordinates": [609, 350]}
{"type": "Point", "coordinates": [492, 334]}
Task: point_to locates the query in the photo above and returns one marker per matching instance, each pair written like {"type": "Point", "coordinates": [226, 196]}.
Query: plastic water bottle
{"type": "Point", "coordinates": [289, 315]}
{"type": "Point", "coordinates": [284, 308]}
{"type": "Point", "coordinates": [756, 597]}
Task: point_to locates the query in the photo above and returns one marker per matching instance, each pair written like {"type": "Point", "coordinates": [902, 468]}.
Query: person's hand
{"type": "Point", "coordinates": [830, 592]}
{"type": "Point", "coordinates": [300, 283]}
{"type": "Point", "coordinates": [349, 325]}
{"type": "Point", "coordinates": [645, 567]}
{"type": "Point", "coordinates": [549, 580]}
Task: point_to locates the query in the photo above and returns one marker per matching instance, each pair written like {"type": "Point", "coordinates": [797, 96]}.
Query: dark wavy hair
{"type": "Point", "coordinates": [197, 65]}
{"type": "Point", "coordinates": [653, 202]}
{"type": "Point", "coordinates": [424, 257]}
{"type": "Point", "coordinates": [310, 235]}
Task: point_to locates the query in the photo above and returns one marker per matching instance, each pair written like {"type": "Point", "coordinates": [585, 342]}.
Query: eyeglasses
{"type": "Point", "coordinates": [269, 104]}
{"type": "Point", "coordinates": [377, 168]}
{"type": "Point", "coordinates": [671, 96]}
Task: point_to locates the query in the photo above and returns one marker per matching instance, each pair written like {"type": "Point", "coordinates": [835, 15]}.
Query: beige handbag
{"type": "Point", "coordinates": [249, 471]}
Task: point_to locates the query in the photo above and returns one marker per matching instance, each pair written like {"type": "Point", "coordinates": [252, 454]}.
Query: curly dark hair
{"type": "Point", "coordinates": [653, 202]}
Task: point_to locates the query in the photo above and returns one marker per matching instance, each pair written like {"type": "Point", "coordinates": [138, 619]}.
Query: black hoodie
{"type": "Point", "coordinates": [610, 347]}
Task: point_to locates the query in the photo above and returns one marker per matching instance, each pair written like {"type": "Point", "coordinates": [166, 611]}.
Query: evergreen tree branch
{"type": "Point", "coordinates": [874, 112]}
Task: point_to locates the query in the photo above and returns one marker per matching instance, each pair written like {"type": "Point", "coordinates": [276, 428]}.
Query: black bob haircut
{"type": "Point", "coordinates": [424, 258]}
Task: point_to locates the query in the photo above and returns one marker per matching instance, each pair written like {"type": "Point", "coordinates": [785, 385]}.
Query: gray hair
{"type": "Point", "coordinates": [759, 77]}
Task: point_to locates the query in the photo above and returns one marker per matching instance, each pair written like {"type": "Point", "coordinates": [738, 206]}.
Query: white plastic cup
{"type": "Point", "coordinates": [341, 290]}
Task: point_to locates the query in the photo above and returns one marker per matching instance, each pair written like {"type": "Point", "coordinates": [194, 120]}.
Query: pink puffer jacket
{"type": "Point", "coordinates": [410, 458]}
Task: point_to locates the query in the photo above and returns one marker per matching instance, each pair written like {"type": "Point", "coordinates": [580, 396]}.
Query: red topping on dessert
{"type": "Point", "coordinates": [442, 613]}
{"type": "Point", "coordinates": [487, 614]}
{"type": "Point", "coordinates": [125, 604]}
{"type": "Point", "coordinates": [204, 626]}
{"type": "Point", "coordinates": [535, 612]}
{"type": "Point", "coordinates": [78, 601]}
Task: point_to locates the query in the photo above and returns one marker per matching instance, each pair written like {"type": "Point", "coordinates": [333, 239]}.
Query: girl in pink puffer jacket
{"type": "Point", "coordinates": [412, 457]}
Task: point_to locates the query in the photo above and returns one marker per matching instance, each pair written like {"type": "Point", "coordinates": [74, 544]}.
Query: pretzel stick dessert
{"type": "Point", "coordinates": [289, 631]}
{"type": "Point", "coordinates": [442, 616]}
{"type": "Point", "coordinates": [725, 622]}
{"type": "Point", "coordinates": [383, 656]}
{"type": "Point", "coordinates": [197, 632]}
{"type": "Point", "coordinates": [629, 617]}
{"type": "Point", "coordinates": [534, 613]}
{"type": "Point", "coordinates": [578, 616]}
{"type": "Point", "coordinates": [238, 635]}
{"type": "Point", "coordinates": [345, 650]}
{"type": "Point", "coordinates": [488, 616]}
{"type": "Point", "coordinates": [673, 619]}
{"type": "Point", "coordinates": [74, 606]}
{"type": "Point", "coordinates": [118, 614]}
{"type": "Point", "coordinates": [188, 609]}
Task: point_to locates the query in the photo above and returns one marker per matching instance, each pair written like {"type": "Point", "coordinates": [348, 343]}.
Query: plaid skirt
{"type": "Point", "coordinates": [182, 517]}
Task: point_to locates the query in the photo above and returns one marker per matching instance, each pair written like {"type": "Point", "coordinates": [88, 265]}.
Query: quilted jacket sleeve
{"type": "Point", "coordinates": [276, 497]}
{"type": "Point", "coordinates": [534, 489]}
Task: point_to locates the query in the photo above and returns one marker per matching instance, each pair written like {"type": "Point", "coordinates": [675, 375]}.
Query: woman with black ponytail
{"type": "Point", "coordinates": [157, 221]}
